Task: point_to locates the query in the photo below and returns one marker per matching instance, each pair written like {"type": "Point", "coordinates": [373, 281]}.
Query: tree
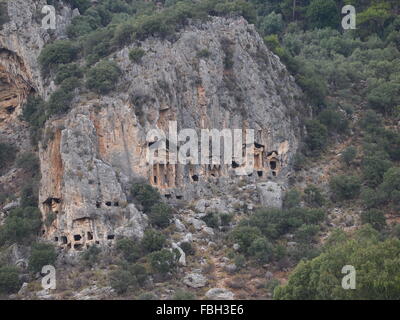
{"type": "Point", "coordinates": [163, 261]}
{"type": "Point", "coordinates": [7, 154]}
{"type": "Point", "coordinates": [58, 52]}
{"type": "Point", "coordinates": [103, 77]}
{"type": "Point", "coordinates": [348, 155]}
{"type": "Point", "coordinates": [160, 215]}
{"type": "Point", "coordinates": [345, 187]}
{"type": "Point", "coordinates": [377, 265]}
{"type": "Point", "coordinates": [9, 280]}
{"type": "Point", "coordinates": [313, 196]}
{"type": "Point", "coordinates": [129, 248]}
{"type": "Point", "coordinates": [261, 249]}
{"type": "Point", "coordinates": [153, 240]}
{"type": "Point", "coordinates": [373, 169]}
{"type": "Point", "coordinates": [317, 136]}
{"type": "Point", "coordinates": [136, 55]}
{"type": "Point", "coordinates": [42, 254]}
{"type": "Point", "coordinates": [375, 218]}
{"type": "Point", "coordinates": [272, 24]}
{"type": "Point", "coordinates": [145, 195]}
{"type": "Point", "coordinates": [322, 13]}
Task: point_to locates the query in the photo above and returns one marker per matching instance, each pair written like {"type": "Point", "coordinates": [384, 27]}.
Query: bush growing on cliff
{"type": "Point", "coordinates": [136, 55]}
{"type": "Point", "coordinates": [42, 254]}
{"type": "Point", "coordinates": [103, 77]}
{"type": "Point", "coordinates": [317, 137]}
{"type": "Point", "coordinates": [29, 162]}
{"type": "Point", "coordinates": [7, 154]}
{"type": "Point", "coordinates": [9, 280]}
{"type": "Point", "coordinates": [65, 71]}
{"type": "Point", "coordinates": [345, 187]}
{"type": "Point", "coordinates": [58, 52]}
{"type": "Point", "coordinates": [21, 226]}
{"type": "Point", "coordinates": [160, 215]}
{"type": "Point", "coordinates": [129, 248]}
{"type": "Point", "coordinates": [145, 195]}
{"type": "Point", "coordinates": [153, 240]}
{"type": "Point", "coordinates": [163, 261]}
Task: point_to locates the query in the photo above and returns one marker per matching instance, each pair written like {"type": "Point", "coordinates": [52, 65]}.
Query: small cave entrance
{"type": "Point", "coordinates": [110, 237]}
{"type": "Point", "coordinates": [64, 240]}
{"type": "Point", "coordinates": [235, 165]}
{"type": "Point", "coordinates": [77, 246]}
{"type": "Point", "coordinates": [195, 178]}
{"type": "Point", "coordinates": [116, 204]}
{"type": "Point", "coordinates": [167, 196]}
{"type": "Point", "coordinates": [274, 173]}
{"type": "Point", "coordinates": [55, 239]}
{"type": "Point", "coordinates": [273, 164]}
{"type": "Point", "coordinates": [179, 197]}
{"type": "Point", "coordinates": [89, 236]}
{"type": "Point", "coordinates": [98, 204]}
{"type": "Point", "coordinates": [108, 203]}
{"type": "Point", "coordinates": [77, 237]}
{"type": "Point", "coordinates": [260, 173]}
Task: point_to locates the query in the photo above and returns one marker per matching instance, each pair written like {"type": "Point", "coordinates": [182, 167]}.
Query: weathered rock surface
{"type": "Point", "coordinates": [219, 294]}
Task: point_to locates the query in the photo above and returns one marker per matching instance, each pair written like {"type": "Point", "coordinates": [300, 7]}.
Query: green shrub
{"type": "Point", "coordinates": [272, 24]}
{"type": "Point", "coordinates": [30, 195]}
{"type": "Point", "coordinates": [313, 196]}
{"type": "Point", "coordinates": [292, 199]}
{"type": "Point", "coordinates": [42, 254]}
{"type": "Point", "coordinates": [145, 195]}
{"type": "Point", "coordinates": [345, 187]}
{"type": "Point", "coordinates": [188, 248]}
{"type": "Point", "coordinates": [103, 77]}
{"type": "Point", "coordinates": [29, 162]}
{"type": "Point", "coordinates": [321, 277]}
{"type": "Point", "coordinates": [163, 261]}
{"type": "Point", "coordinates": [307, 232]}
{"type": "Point", "coordinates": [373, 169]}
{"type": "Point", "coordinates": [334, 121]}
{"type": "Point", "coordinates": [21, 226]}
{"type": "Point", "coordinates": [245, 236]}
{"type": "Point", "coordinates": [9, 280]}
{"type": "Point", "coordinates": [203, 53]}
{"type": "Point", "coordinates": [375, 218]}
{"type": "Point", "coordinates": [153, 240]}
{"type": "Point", "coordinates": [136, 55]}
{"type": "Point", "coordinates": [7, 154]}
{"type": "Point", "coordinates": [59, 102]}
{"type": "Point", "coordinates": [129, 248]}
{"type": "Point", "coordinates": [123, 35]}
{"type": "Point", "coordinates": [322, 13]}
{"type": "Point", "coordinates": [120, 280]}
{"type": "Point", "coordinates": [261, 250]}
{"type": "Point", "coordinates": [348, 155]}
{"type": "Point", "coordinates": [91, 256]}
{"type": "Point", "coordinates": [317, 136]}
{"type": "Point", "coordinates": [160, 215]}
{"type": "Point", "coordinates": [58, 52]}
{"type": "Point", "coordinates": [66, 71]}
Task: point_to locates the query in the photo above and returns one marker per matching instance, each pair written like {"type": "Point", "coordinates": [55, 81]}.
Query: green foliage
{"type": "Point", "coordinates": [128, 277]}
{"type": "Point", "coordinates": [322, 13]}
{"type": "Point", "coordinates": [21, 226]}
{"type": "Point", "coordinates": [272, 24]}
{"type": "Point", "coordinates": [42, 254]}
{"type": "Point", "coordinates": [317, 136]}
{"type": "Point", "coordinates": [145, 195]}
{"type": "Point", "coordinates": [91, 256]}
{"type": "Point", "coordinates": [313, 196]}
{"type": "Point", "coordinates": [129, 248]}
{"type": "Point", "coordinates": [348, 155]}
{"type": "Point", "coordinates": [261, 249]}
{"type": "Point", "coordinates": [334, 121]}
{"type": "Point", "coordinates": [292, 199]}
{"type": "Point", "coordinates": [163, 261]}
{"type": "Point", "coordinates": [306, 233]}
{"type": "Point", "coordinates": [160, 215]}
{"type": "Point", "coordinates": [136, 55]}
{"type": "Point", "coordinates": [66, 71]}
{"type": "Point", "coordinates": [345, 187]}
{"type": "Point", "coordinates": [373, 169]}
{"type": "Point", "coordinates": [377, 264]}
{"type": "Point", "coordinates": [244, 236]}
{"type": "Point", "coordinates": [103, 77]}
{"type": "Point", "coordinates": [7, 154]}
{"type": "Point", "coordinates": [375, 218]}
{"type": "Point", "coordinates": [58, 52]}
{"type": "Point", "coordinates": [153, 240]}
{"type": "Point", "coordinates": [188, 248]}
{"type": "Point", "coordinates": [29, 162]}
{"type": "Point", "coordinates": [9, 280]}
{"type": "Point", "coordinates": [203, 53]}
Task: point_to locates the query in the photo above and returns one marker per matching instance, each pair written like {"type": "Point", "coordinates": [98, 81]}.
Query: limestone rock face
{"type": "Point", "coordinates": [21, 40]}
{"type": "Point", "coordinates": [212, 75]}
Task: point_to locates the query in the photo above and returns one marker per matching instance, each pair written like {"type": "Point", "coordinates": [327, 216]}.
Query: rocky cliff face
{"type": "Point", "coordinates": [215, 75]}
